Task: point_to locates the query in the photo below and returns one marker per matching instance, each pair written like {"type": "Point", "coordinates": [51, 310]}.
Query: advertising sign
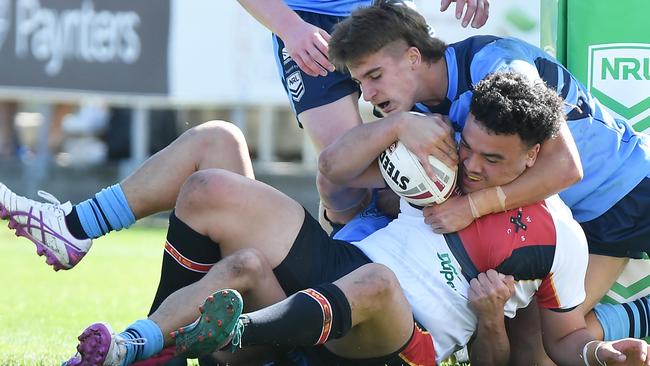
{"type": "Point", "coordinates": [107, 46]}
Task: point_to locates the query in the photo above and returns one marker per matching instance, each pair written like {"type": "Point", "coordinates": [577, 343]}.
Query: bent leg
{"type": "Point", "coordinates": [246, 271]}
{"type": "Point", "coordinates": [382, 321]}
{"type": "Point", "coordinates": [154, 186]}
{"type": "Point", "coordinates": [238, 212]}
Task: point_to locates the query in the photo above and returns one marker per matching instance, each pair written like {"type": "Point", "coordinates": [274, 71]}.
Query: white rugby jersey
{"type": "Point", "coordinates": [540, 245]}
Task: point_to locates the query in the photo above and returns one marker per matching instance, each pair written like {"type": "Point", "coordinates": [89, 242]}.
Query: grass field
{"type": "Point", "coordinates": [42, 311]}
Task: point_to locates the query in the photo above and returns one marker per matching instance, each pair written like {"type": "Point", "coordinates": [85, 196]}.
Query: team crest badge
{"type": "Point", "coordinates": [619, 76]}
{"type": "Point", "coordinates": [295, 86]}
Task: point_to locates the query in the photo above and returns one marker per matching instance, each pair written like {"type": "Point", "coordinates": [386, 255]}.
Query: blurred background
{"type": "Point", "coordinates": [89, 89]}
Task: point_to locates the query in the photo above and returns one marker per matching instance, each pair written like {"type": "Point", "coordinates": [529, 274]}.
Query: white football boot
{"type": "Point", "coordinates": [44, 224]}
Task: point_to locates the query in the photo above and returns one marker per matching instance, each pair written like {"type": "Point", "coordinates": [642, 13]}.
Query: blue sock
{"type": "Point", "coordinates": [107, 211]}
{"type": "Point", "coordinates": [624, 320]}
{"type": "Point", "coordinates": [143, 329]}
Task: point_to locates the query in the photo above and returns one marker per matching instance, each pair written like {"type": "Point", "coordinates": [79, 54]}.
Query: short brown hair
{"type": "Point", "coordinates": [370, 29]}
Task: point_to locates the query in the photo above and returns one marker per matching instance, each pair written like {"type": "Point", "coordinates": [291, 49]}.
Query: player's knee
{"type": "Point", "coordinates": [380, 285]}
{"type": "Point", "coordinates": [206, 188]}
{"type": "Point", "coordinates": [207, 135]}
{"type": "Point", "coordinates": [249, 265]}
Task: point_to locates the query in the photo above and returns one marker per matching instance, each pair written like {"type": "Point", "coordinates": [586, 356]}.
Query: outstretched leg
{"type": "Point", "coordinates": [62, 232]}
{"type": "Point", "coordinates": [362, 315]}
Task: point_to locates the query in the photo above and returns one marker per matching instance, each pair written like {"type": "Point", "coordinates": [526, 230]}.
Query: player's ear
{"type": "Point", "coordinates": [414, 56]}
{"type": "Point", "coordinates": [531, 155]}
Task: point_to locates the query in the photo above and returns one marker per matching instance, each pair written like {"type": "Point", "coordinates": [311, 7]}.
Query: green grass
{"type": "Point", "coordinates": [42, 311]}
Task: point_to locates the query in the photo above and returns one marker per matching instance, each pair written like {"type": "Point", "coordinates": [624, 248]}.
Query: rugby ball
{"type": "Point", "coordinates": [405, 175]}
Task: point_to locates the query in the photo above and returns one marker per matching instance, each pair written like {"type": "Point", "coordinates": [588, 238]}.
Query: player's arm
{"type": "Point", "coordinates": [306, 43]}
{"type": "Point", "coordinates": [559, 155]}
{"type": "Point", "coordinates": [567, 341]}
{"type": "Point", "coordinates": [351, 159]}
{"type": "Point", "coordinates": [488, 294]}
{"type": "Point", "coordinates": [557, 167]}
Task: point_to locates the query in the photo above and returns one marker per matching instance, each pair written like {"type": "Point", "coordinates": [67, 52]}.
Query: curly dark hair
{"type": "Point", "coordinates": [369, 29]}
{"type": "Point", "coordinates": [508, 103]}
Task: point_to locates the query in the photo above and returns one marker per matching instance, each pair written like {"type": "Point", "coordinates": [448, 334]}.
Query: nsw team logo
{"type": "Point", "coordinates": [5, 20]}
{"type": "Point", "coordinates": [619, 76]}
{"type": "Point", "coordinates": [295, 86]}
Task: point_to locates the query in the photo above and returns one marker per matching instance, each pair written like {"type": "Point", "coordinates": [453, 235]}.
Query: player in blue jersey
{"type": "Point", "coordinates": [323, 99]}
{"type": "Point", "coordinates": [608, 161]}
{"type": "Point", "coordinates": [361, 313]}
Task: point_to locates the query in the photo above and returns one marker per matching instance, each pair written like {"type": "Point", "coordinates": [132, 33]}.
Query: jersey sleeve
{"type": "Point", "coordinates": [563, 288]}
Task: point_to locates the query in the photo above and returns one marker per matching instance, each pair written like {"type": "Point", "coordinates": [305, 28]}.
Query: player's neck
{"type": "Point", "coordinates": [435, 83]}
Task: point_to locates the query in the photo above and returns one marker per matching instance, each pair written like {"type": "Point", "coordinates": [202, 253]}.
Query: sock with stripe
{"type": "Point", "coordinates": [188, 256]}
{"type": "Point", "coordinates": [629, 320]}
{"type": "Point", "coordinates": [107, 211]}
{"type": "Point", "coordinates": [306, 318]}
{"type": "Point", "coordinates": [147, 340]}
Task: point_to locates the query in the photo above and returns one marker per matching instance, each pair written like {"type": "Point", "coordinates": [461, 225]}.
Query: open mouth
{"type": "Point", "coordinates": [383, 105]}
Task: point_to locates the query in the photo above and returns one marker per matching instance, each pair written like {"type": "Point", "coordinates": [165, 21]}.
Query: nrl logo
{"type": "Point", "coordinates": [5, 20]}
{"type": "Point", "coordinates": [619, 76]}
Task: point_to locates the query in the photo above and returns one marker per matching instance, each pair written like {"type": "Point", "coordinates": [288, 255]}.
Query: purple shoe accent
{"type": "Point", "coordinates": [24, 230]}
{"type": "Point", "coordinates": [94, 344]}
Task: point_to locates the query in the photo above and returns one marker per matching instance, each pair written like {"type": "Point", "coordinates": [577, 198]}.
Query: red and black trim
{"type": "Point", "coordinates": [326, 307]}
{"type": "Point", "coordinates": [186, 262]}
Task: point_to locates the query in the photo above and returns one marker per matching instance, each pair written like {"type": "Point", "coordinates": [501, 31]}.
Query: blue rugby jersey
{"type": "Point", "coordinates": [337, 8]}
{"type": "Point", "coordinates": [614, 157]}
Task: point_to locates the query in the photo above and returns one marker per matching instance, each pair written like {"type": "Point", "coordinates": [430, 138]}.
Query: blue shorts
{"type": "Point", "coordinates": [306, 92]}
{"type": "Point", "coordinates": [624, 229]}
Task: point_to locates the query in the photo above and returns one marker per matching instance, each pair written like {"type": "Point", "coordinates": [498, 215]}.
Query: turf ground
{"type": "Point", "coordinates": [42, 311]}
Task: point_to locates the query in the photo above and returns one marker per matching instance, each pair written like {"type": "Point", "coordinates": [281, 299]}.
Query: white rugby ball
{"type": "Point", "coordinates": [405, 175]}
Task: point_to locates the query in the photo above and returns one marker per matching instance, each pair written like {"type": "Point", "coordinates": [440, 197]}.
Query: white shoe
{"type": "Point", "coordinates": [44, 224]}
{"type": "Point", "coordinates": [99, 346]}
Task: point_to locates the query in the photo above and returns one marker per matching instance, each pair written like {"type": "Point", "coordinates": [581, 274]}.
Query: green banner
{"type": "Point", "coordinates": [606, 45]}
{"type": "Point", "coordinates": [608, 49]}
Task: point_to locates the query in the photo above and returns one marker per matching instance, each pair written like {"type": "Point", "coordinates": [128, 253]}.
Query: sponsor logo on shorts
{"type": "Point", "coordinates": [5, 20]}
{"type": "Point", "coordinates": [295, 86]}
{"type": "Point", "coordinates": [619, 75]}
{"type": "Point", "coordinates": [448, 271]}
{"type": "Point", "coordinates": [286, 57]}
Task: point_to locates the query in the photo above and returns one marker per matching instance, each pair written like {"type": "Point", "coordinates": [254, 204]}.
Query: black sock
{"type": "Point", "coordinates": [307, 318]}
{"type": "Point", "coordinates": [74, 224]}
{"type": "Point", "coordinates": [188, 257]}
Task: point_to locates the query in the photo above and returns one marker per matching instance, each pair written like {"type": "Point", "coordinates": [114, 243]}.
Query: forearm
{"type": "Point", "coordinates": [491, 345]}
{"type": "Point", "coordinates": [275, 15]}
{"type": "Point", "coordinates": [557, 167]}
{"type": "Point", "coordinates": [349, 157]}
{"type": "Point", "coordinates": [569, 349]}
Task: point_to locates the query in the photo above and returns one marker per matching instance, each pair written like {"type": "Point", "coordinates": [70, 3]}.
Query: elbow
{"type": "Point", "coordinates": [574, 171]}
{"type": "Point", "coordinates": [326, 165]}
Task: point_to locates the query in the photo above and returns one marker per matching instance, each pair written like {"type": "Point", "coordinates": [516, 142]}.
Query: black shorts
{"type": "Point", "coordinates": [306, 92]}
{"type": "Point", "coordinates": [315, 258]}
{"type": "Point", "coordinates": [624, 229]}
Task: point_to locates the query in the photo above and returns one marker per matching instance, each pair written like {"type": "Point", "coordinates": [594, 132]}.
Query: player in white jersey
{"type": "Point", "coordinates": [403, 67]}
{"type": "Point", "coordinates": [354, 310]}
